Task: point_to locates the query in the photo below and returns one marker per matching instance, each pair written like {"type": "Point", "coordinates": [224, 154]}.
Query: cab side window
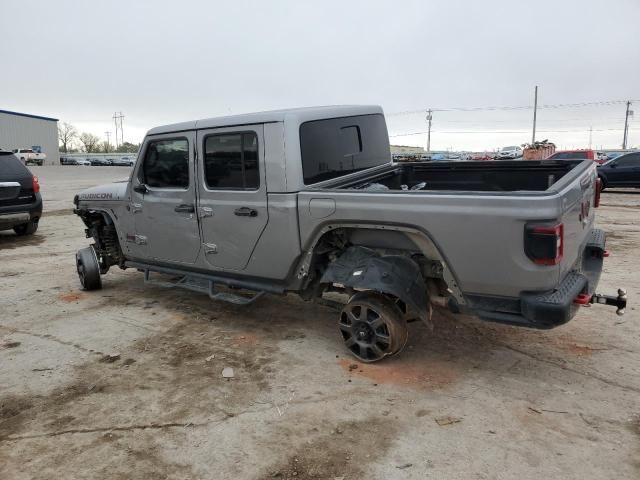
{"type": "Point", "coordinates": [632, 160]}
{"type": "Point", "coordinates": [166, 164]}
{"type": "Point", "coordinates": [231, 161]}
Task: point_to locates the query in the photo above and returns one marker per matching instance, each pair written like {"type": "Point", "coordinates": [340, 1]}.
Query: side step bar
{"type": "Point", "coordinates": [202, 286]}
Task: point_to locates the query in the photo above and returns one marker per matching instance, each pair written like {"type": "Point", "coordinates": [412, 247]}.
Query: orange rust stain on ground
{"type": "Point", "coordinates": [421, 374]}
{"type": "Point", "coordinates": [71, 297]}
{"type": "Point", "coordinates": [245, 339]}
{"type": "Point", "coordinates": [580, 350]}
{"type": "Point", "coordinates": [567, 344]}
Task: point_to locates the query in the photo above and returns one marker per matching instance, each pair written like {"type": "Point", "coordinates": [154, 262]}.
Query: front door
{"type": "Point", "coordinates": [625, 171]}
{"type": "Point", "coordinates": [232, 200]}
{"type": "Point", "coordinates": [163, 200]}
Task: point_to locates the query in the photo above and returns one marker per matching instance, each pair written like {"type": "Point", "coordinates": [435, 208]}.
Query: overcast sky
{"type": "Point", "coordinates": [166, 61]}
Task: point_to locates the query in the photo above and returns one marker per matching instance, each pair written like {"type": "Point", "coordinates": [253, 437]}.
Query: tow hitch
{"type": "Point", "coordinates": [620, 301]}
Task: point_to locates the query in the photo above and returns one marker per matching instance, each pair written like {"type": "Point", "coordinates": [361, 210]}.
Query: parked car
{"type": "Point", "coordinates": [124, 161]}
{"type": "Point", "coordinates": [30, 157]}
{"type": "Point", "coordinates": [611, 155]}
{"type": "Point", "coordinates": [99, 162]}
{"type": "Point", "coordinates": [20, 200]}
{"type": "Point", "coordinates": [510, 153]}
{"type": "Point", "coordinates": [481, 156]}
{"type": "Point", "coordinates": [74, 161]}
{"type": "Point", "coordinates": [577, 155]}
{"type": "Point", "coordinates": [301, 219]}
{"type": "Point", "coordinates": [623, 171]}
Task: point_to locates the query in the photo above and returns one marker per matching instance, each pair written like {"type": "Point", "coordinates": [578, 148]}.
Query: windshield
{"type": "Point", "coordinates": [506, 149]}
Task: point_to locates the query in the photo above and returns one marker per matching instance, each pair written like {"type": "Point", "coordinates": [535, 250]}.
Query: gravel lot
{"type": "Point", "coordinates": [468, 400]}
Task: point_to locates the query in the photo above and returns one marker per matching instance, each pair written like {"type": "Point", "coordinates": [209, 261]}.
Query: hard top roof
{"type": "Point", "coordinates": [296, 115]}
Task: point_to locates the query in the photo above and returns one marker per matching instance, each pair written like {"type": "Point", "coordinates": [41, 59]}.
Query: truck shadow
{"type": "Point", "coordinates": [458, 345]}
{"type": "Point", "coordinates": [10, 241]}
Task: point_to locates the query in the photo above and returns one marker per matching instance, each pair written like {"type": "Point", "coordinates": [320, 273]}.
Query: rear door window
{"type": "Point", "coordinates": [334, 147]}
{"type": "Point", "coordinates": [231, 161]}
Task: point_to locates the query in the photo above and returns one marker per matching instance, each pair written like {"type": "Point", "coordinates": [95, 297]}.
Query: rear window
{"type": "Point", "coordinates": [334, 147]}
{"type": "Point", "coordinates": [568, 156]}
{"type": "Point", "coordinates": [11, 167]}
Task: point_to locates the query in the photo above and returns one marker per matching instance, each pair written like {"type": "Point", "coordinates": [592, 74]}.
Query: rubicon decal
{"type": "Point", "coordinates": [96, 196]}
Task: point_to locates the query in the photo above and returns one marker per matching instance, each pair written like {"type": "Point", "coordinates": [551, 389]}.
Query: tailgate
{"type": "Point", "coordinates": [577, 203]}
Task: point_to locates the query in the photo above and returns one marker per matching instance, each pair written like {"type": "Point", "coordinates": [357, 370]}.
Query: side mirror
{"type": "Point", "coordinates": [141, 188]}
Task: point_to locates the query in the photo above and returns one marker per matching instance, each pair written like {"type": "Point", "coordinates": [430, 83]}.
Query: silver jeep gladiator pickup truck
{"type": "Point", "coordinates": [309, 201]}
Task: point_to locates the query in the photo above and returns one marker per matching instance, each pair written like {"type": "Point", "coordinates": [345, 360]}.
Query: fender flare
{"type": "Point", "coordinates": [364, 268]}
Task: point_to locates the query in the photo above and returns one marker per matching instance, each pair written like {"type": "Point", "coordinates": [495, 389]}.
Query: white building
{"type": "Point", "coordinates": [23, 130]}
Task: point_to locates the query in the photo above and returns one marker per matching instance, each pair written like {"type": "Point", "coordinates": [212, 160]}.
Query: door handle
{"type": "Point", "coordinates": [184, 208]}
{"type": "Point", "coordinates": [246, 212]}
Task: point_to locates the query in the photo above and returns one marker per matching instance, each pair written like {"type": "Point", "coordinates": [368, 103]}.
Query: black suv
{"type": "Point", "coordinates": [623, 171]}
{"type": "Point", "coordinates": [20, 200]}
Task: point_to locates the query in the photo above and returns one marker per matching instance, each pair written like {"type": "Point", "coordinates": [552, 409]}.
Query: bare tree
{"type": "Point", "coordinates": [106, 147]}
{"type": "Point", "coordinates": [90, 142]}
{"type": "Point", "coordinates": [66, 134]}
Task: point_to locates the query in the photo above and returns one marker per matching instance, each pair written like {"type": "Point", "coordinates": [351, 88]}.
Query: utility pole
{"type": "Point", "coordinates": [115, 122]}
{"type": "Point", "coordinates": [108, 134]}
{"type": "Point", "coordinates": [117, 117]}
{"type": "Point", "coordinates": [429, 118]}
{"type": "Point", "coordinates": [590, 135]}
{"type": "Point", "coordinates": [121, 129]}
{"type": "Point", "coordinates": [627, 114]}
{"type": "Point", "coordinates": [535, 114]}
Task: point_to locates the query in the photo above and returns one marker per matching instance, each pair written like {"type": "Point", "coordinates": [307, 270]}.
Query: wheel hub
{"type": "Point", "coordinates": [363, 332]}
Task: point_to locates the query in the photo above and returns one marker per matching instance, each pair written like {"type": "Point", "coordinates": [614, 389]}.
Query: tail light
{"type": "Point", "coordinates": [35, 184]}
{"type": "Point", "coordinates": [596, 194]}
{"type": "Point", "coordinates": [544, 244]}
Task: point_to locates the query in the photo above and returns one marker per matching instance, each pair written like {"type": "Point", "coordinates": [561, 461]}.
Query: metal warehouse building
{"type": "Point", "coordinates": [22, 130]}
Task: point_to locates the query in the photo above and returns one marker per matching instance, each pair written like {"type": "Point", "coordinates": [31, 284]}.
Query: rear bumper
{"type": "Point", "coordinates": [13, 215]}
{"type": "Point", "coordinates": [555, 307]}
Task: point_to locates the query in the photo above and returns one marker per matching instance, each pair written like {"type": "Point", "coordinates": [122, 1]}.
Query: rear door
{"type": "Point", "coordinates": [232, 194]}
{"type": "Point", "coordinates": [163, 199]}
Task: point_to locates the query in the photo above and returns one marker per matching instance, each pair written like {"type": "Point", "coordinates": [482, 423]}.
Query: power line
{"type": "Point", "coordinates": [523, 120]}
{"type": "Point", "coordinates": [504, 131]}
{"type": "Point", "coordinates": [517, 107]}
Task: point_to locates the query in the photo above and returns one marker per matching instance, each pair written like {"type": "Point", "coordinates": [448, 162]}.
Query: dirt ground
{"type": "Point", "coordinates": [470, 400]}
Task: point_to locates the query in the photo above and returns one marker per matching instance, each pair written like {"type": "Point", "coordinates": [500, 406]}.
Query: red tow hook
{"type": "Point", "coordinates": [582, 299]}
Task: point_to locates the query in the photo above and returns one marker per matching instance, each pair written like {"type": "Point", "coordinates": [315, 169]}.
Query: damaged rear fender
{"type": "Point", "coordinates": [397, 275]}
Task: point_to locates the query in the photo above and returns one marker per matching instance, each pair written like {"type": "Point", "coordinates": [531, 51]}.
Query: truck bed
{"type": "Point", "coordinates": [475, 214]}
{"type": "Point", "coordinates": [498, 176]}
